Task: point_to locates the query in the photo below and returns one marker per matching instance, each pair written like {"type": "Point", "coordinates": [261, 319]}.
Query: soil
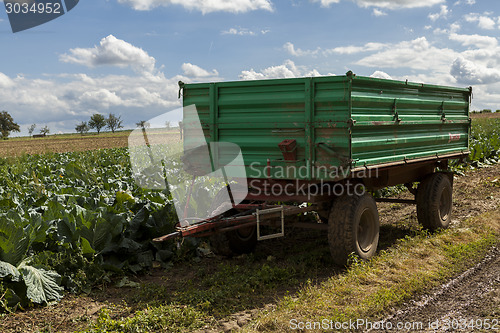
{"type": "Point", "coordinates": [466, 303]}
{"type": "Point", "coordinates": [474, 294]}
{"type": "Point", "coordinates": [485, 115]}
{"type": "Point", "coordinates": [74, 142]}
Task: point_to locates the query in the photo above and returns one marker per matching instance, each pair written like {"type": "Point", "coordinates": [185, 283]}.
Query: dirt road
{"type": "Point", "coordinates": [469, 302]}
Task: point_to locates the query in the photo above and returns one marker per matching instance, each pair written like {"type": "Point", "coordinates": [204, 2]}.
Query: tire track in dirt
{"type": "Point", "coordinates": [462, 304]}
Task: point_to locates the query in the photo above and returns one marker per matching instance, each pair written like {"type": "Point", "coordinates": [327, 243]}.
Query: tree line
{"type": "Point", "coordinates": [98, 122]}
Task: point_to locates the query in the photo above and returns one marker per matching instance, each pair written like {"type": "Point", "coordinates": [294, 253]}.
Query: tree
{"type": "Point", "coordinates": [113, 122]}
{"type": "Point", "coordinates": [143, 124]}
{"type": "Point", "coordinates": [168, 125]}
{"type": "Point", "coordinates": [31, 129]}
{"type": "Point", "coordinates": [82, 128]}
{"type": "Point", "coordinates": [45, 130]}
{"type": "Point", "coordinates": [7, 125]}
{"type": "Point", "coordinates": [181, 128]}
{"type": "Point", "coordinates": [97, 121]}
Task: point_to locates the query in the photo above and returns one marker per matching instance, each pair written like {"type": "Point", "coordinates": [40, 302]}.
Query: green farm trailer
{"type": "Point", "coordinates": [324, 144]}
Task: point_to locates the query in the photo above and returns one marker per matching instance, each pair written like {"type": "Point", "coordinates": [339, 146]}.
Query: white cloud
{"type": "Point", "coordinates": [467, 2]}
{"type": "Point", "coordinates": [378, 12]}
{"type": "Point", "coordinates": [194, 71]}
{"type": "Point", "coordinates": [417, 54]}
{"type": "Point", "coordinates": [483, 21]}
{"type": "Point", "coordinates": [287, 70]}
{"type": "Point", "coordinates": [112, 51]}
{"type": "Point", "coordinates": [454, 27]}
{"type": "Point", "coordinates": [381, 75]}
{"type": "Point", "coordinates": [243, 32]}
{"type": "Point", "coordinates": [326, 3]}
{"type": "Point", "coordinates": [296, 52]}
{"type": "Point", "coordinates": [101, 98]}
{"type": "Point", "coordinates": [238, 31]}
{"type": "Point", "coordinates": [469, 72]}
{"type": "Point", "coordinates": [475, 40]}
{"type": "Point", "coordinates": [442, 14]}
{"type": "Point", "coordinates": [387, 4]}
{"type": "Point", "coordinates": [65, 99]}
{"type": "Point", "coordinates": [350, 49]}
{"type": "Point", "coordinates": [204, 6]}
{"type": "Point", "coordinates": [5, 81]}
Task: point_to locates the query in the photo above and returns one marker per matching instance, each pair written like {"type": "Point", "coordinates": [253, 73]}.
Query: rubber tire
{"type": "Point", "coordinates": [434, 201]}
{"type": "Point", "coordinates": [234, 242]}
{"type": "Point", "coordinates": [344, 231]}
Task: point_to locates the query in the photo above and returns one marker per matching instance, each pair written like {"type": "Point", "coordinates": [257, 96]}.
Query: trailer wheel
{"type": "Point", "coordinates": [434, 201]}
{"type": "Point", "coordinates": [353, 227]}
{"type": "Point", "coordinates": [233, 242]}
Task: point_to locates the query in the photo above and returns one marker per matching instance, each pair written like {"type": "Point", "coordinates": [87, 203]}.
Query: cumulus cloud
{"type": "Point", "coordinates": [442, 14]}
{"type": "Point", "coordinates": [416, 54]}
{"type": "Point", "coordinates": [378, 12]}
{"type": "Point", "coordinates": [349, 49]}
{"type": "Point", "coordinates": [381, 75]}
{"type": "Point", "coordinates": [387, 4]}
{"type": "Point", "coordinates": [296, 52]}
{"type": "Point", "coordinates": [5, 81]}
{"type": "Point", "coordinates": [287, 70]}
{"type": "Point", "coordinates": [469, 72]}
{"type": "Point", "coordinates": [65, 99]}
{"type": "Point", "coordinates": [100, 98]}
{"type": "Point", "coordinates": [352, 49]}
{"type": "Point", "coordinates": [112, 51]}
{"type": "Point", "coordinates": [194, 71]}
{"type": "Point", "coordinates": [483, 21]}
{"type": "Point", "coordinates": [204, 6]}
{"type": "Point", "coordinates": [475, 40]}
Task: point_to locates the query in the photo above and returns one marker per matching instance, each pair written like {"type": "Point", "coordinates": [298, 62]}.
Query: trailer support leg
{"type": "Point", "coordinates": [260, 212]}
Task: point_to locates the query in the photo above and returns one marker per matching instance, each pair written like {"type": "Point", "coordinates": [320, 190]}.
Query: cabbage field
{"type": "Point", "coordinates": [71, 220]}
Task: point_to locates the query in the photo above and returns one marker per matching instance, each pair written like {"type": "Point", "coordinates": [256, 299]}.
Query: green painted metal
{"type": "Point", "coordinates": [339, 122]}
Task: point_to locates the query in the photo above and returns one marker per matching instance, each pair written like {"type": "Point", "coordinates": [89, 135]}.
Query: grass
{"type": "Point", "coordinates": [164, 318]}
{"type": "Point", "coordinates": [228, 289]}
{"type": "Point", "coordinates": [411, 266]}
{"type": "Point", "coordinates": [369, 290]}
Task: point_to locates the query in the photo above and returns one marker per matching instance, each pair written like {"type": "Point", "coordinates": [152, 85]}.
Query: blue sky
{"type": "Point", "coordinates": [126, 56]}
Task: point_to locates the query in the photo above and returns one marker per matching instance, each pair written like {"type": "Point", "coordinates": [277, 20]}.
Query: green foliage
{"type": "Point", "coordinates": [485, 141]}
{"type": "Point", "coordinates": [97, 122]}
{"type": "Point", "coordinates": [67, 219]}
{"type": "Point", "coordinates": [7, 125]}
{"type": "Point", "coordinates": [113, 122]}
{"type": "Point", "coordinates": [166, 318]}
{"type": "Point", "coordinates": [82, 128]}
{"type": "Point", "coordinates": [221, 292]}
{"type": "Point", "coordinates": [45, 130]}
{"type": "Point", "coordinates": [31, 129]}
